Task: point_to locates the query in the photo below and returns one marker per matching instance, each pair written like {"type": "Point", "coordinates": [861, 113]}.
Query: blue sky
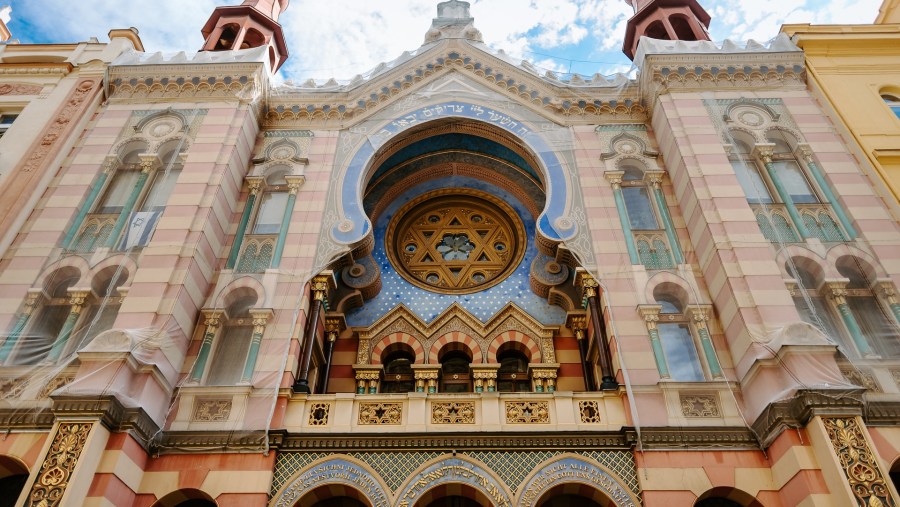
{"type": "Point", "coordinates": [342, 38]}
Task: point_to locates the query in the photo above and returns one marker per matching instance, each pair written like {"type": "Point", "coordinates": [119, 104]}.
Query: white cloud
{"type": "Point", "coordinates": [342, 38]}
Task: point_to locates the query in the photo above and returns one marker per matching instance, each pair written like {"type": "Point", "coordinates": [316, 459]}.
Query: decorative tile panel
{"type": "Point", "coordinates": [589, 411]}
{"type": "Point", "coordinates": [462, 412]}
{"type": "Point", "coordinates": [318, 414]}
{"type": "Point", "coordinates": [380, 413]}
{"type": "Point", "coordinates": [866, 480]}
{"type": "Point", "coordinates": [206, 410]}
{"type": "Point", "coordinates": [861, 378]}
{"type": "Point", "coordinates": [527, 412]}
{"type": "Point", "coordinates": [59, 465]}
{"type": "Point", "coordinates": [700, 405]}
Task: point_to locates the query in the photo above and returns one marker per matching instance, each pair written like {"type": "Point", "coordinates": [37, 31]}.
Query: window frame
{"type": "Point", "coordinates": [681, 317]}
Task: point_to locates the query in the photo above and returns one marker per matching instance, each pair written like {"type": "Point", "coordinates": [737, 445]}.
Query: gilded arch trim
{"type": "Point", "coordinates": [572, 468]}
{"type": "Point", "coordinates": [336, 469]}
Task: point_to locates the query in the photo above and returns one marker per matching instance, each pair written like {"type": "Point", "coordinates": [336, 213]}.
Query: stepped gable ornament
{"type": "Point", "coordinates": [453, 21]}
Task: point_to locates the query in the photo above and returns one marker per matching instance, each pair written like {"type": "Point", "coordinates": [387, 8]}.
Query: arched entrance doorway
{"type": "Point", "coordinates": [574, 495]}
{"type": "Point", "coordinates": [454, 495]}
{"type": "Point", "coordinates": [186, 498]}
{"type": "Point", "coordinates": [333, 495]}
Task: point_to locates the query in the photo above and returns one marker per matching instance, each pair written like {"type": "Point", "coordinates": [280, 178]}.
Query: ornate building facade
{"type": "Point", "coordinates": [456, 281]}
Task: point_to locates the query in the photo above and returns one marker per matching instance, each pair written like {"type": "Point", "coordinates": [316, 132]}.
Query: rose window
{"type": "Point", "coordinates": [455, 241]}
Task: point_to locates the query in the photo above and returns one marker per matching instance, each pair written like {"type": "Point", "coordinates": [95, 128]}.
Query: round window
{"type": "Point", "coordinates": [455, 241]}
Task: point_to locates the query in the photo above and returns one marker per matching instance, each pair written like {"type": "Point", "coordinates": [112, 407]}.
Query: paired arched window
{"type": "Point", "coordinates": [232, 344]}
{"type": "Point", "coordinates": [260, 241]}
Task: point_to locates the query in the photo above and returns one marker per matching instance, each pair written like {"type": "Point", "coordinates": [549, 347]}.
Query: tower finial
{"type": "Point", "coordinates": [667, 20]}
{"type": "Point", "coordinates": [252, 24]}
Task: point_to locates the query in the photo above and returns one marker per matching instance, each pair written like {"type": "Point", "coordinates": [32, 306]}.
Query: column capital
{"type": "Point", "coordinates": [805, 151]}
{"type": "Point", "coordinates": [318, 286]}
{"type": "Point", "coordinates": [260, 317]}
{"type": "Point", "coordinates": [654, 178]}
{"type": "Point", "coordinates": [254, 184]}
{"type": "Point", "coordinates": [334, 326]}
{"type": "Point", "coordinates": [367, 371]}
{"type": "Point", "coordinates": [614, 178]}
{"type": "Point", "coordinates": [837, 290]}
{"type": "Point", "coordinates": [77, 299]}
{"type": "Point", "coordinates": [294, 183]}
{"type": "Point", "coordinates": [149, 162]}
{"type": "Point", "coordinates": [110, 163]}
{"type": "Point", "coordinates": [650, 313]}
{"type": "Point", "coordinates": [764, 151]}
{"type": "Point", "coordinates": [700, 314]}
{"type": "Point", "coordinates": [589, 286]}
{"type": "Point", "coordinates": [212, 318]}
{"type": "Point", "coordinates": [888, 291]}
{"type": "Point", "coordinates": [578, 324]}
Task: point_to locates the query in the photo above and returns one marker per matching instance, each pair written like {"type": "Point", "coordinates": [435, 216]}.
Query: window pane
{"type": "Point", "coordinates": [231, 353]}
{"type": "Point", "coordinates": [681, 355]}
{"type": "Point", "coordinates": [751, 181]}
{"type": "Point", "coordinates": [791, 176]}
{"type": "Point", "coordinates": [640, 211]}
{"type": "Point", "coordinates": [271, 211]}
{"type": "Point", "coordinates": [35, 344]}
{"type": "Point", "coordinates": [118, 191]}
{"type": "Point", "coordinates": [160, 190]}
{"type": "Point", "coordinates": [814, 310]}
{"type": "Point", "coordinates": [93, 323]}
{"type": "Point", "coordinates": [880, 332]}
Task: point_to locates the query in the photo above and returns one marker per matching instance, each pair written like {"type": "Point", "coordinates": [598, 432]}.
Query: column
{"type": "Point", "coordinates": [367, 377]}
{"type": "Point", "coordinates": [615, 179]}
{"type": "Point", "coordinates": [484, 377]}
{"type": "Point", "coordinates": [654, 178]}
{"type": "Point", "coordinates": [590, 294]}
{"type": "Point", "coordinates": [76, 302]}
{"type": "Point", "coordinates": [700, 314]}
{"type": "Point", "coordinates": [764, 152]}
{"type": "Point", "coordinates": [294, 184]}
{"type": "Point", "coordinates": [651, 317]}
{"type": "Point", "coordinates": [543, 377]}
{"type": "Point", "coordinates": [253, 186]}
{"type": "Point", "coordinates": [839, 295]}
{"type": "Point", "coordinates": [212, 321]}
{"type": "Point", "coordinates": [807, 154]}
{"type": "Point", "coordinates": [148, 165]}
{"type": "Point", "coordinates": [318, 289]}
{"type": "Point", "coordinates": [333, 328]}
{"type": "Point", "coordinates": [260, 319]}
{"type": "Point", "coordinates": [426, 376]}
{"type": "Point", "coordinates": [30, 303]}
{"type": "Point", "coordinates": [578, 325]}
{"type": "Point", "coordinates": [889, 293]}
{"type": "Point", "coordinates": [109, 165]}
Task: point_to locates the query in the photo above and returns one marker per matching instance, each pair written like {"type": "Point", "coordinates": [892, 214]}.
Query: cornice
{"type": "Point", "coordinates": [35, 69]}
{"type": "Point", "coordinates": [111, 412]}
{"type": "Point", "coordinates": [244, 81]}
{"type": "Point", "coordinates": [805, 404]}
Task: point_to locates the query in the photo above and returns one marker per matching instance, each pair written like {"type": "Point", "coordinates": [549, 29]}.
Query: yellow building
{"type": "Point", "coordinates": [854, 70]}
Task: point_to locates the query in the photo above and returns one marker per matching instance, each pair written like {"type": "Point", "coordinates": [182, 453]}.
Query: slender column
{"type": "Point", "coordinates": [30, 303]}
{"type": "Point", "coordinates": [590, 291]}
{"type": "Point", "coordinates": [426, 376]}
{"type": "Point", "coordinates": [543, 376]}
{"type": "Point", "coordinates": [615, 179]}
{"type": "Point", "coordinates": [484, 377]}
{"type": "Point", "coordinates": [148, 164]}
{"type": "Point", "coordinates": [260, 319]}
{"type": "Point", "coordinates": [253, 185]}
{"type": "Point", "coordinates": [651, 317]}
{"type": "Point", "coordinates": [294, 184]}
{"type": "Point", "coordinates": [764, 152]}
{"type": "Point", "coordinates": [318, 291]}
{"type": "Point", "coordinates": [578, 324]}
{"type": "Point", "coordinates": [333, 327]}
{"type": "Point", "coordinates": [367, 377]}
{"type": "Point", "coordinates": [839, 295]}
{"type": "Point", "coordinates": [701, 317]}
{"type": "Point", "coordinates": [655, 180]}
{"type": "Point", "coordinates": [109, 165]}
{"type": "Point", "coordinates": [889, 293]}
{"type": "Point", "coordinates": [76, 302]}
{"type": "Point", "coordinates": [826, 189]}
{"type": "Point", "coordinates": [213, 319]}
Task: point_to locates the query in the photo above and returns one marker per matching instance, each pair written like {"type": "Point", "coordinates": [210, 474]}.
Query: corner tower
{"type": "Point", "coordinates": [252, 24]}
{"type": "Point", "coordinates": [667, 20]}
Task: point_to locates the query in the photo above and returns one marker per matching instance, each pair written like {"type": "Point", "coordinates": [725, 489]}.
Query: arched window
{"type": "Point", "coordinates": [455, 375]}
{"type": "Point", "coordinates": [657, 30]}
{"type": "Point", "coordinates": [513, 373]}
{"type": "Point", "coordinates": [644, 218]}
{"type": "Point", "coordinates": [755, 186]}
{"type": "Point", "coordinates": [875, 322]}
{"type": "Point", "coordinates": [232, 344]}
{"type": "Point", "coordinates": [252, 39]}
{"type": "Point", "coordinates": [812, 306]}
{"type": "Point", "coordinates": [260, 241]}
{"type": "Point", "coordinates": [893, 103]}
{"type": "Point", "coordinates": [226, 38]}
{"type": "Point", "coordinates": [398, 372]}
{"type": "Point", "coordinates": [102, 308]}
{"type": "Point", "coordinates": [35, 344]}
{"type": "Point", "coordinates": [677, 340]}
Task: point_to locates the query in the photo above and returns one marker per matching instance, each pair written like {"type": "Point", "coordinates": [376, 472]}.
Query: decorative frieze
{"type": "Point", "coordinates": [54, 384]}
{"type": "Point", "coordinates": [858, 461]}
{"type": "Point", "coordinates": [461, 412]}
{"type": "Point", "coordinates": [318, 414]}
{"type": "Point", "coordinates": [861, 378]}
{"type": "Point", "coordinates": [380, 413]}
{"type": "Point", "coordinates": [59, 465]}
{"type": "Point", "coordinates": [700, 405]}
{"type": "Point", "coordinates": [527, 412]}
{"type": "Point", "coordinates": [212, 410]}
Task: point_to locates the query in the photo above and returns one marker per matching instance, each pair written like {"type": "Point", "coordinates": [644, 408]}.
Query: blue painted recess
{"type": "Point", "coordinates": [428, 305]}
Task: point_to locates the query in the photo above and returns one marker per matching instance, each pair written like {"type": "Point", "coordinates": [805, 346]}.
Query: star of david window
{"type": "Point", "coordinates": [455, 241]}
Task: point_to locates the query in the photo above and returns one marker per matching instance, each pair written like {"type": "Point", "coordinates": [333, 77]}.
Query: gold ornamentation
{"type": "Point", "coordinates": [212, 410]}
{"type": "Point", "coordinates": [858, 461]}
{"type": "Point", "coordinates": [76, 300]}
{"type": "Point", "coordinates": [362, 351]}
{"type": "Point", "coordinates": [58, 466]}
{"type": "Point", "coordinates": [589, 411]}
{"type": "Point", "coordinates": [380, 413]}
{"type": "Point", "coordinates": [527, 412]}
{"type": "Point", "coordinates": [456, 243]}
{"type": "Point", "coordinates": [700, 405]}
{"type": "Point", "coordinates": [650, 314]}
{"type": "Point", "coordinates": [12, 387]}
{"type": "Point", "coordinates": [614, 178]}
{"type": "Point", "coordinates": [462, 412]}
{"type": "Point", "coordinates": [548, 349]}
{"type": "Point", "coordinates": [319, 287]}
{"type": "Point", "coordinates": [54, 384]}
{"type": "Point", "coordinates": [318, 414]}
{"type": "Point", "coordinates": [589, 286]}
